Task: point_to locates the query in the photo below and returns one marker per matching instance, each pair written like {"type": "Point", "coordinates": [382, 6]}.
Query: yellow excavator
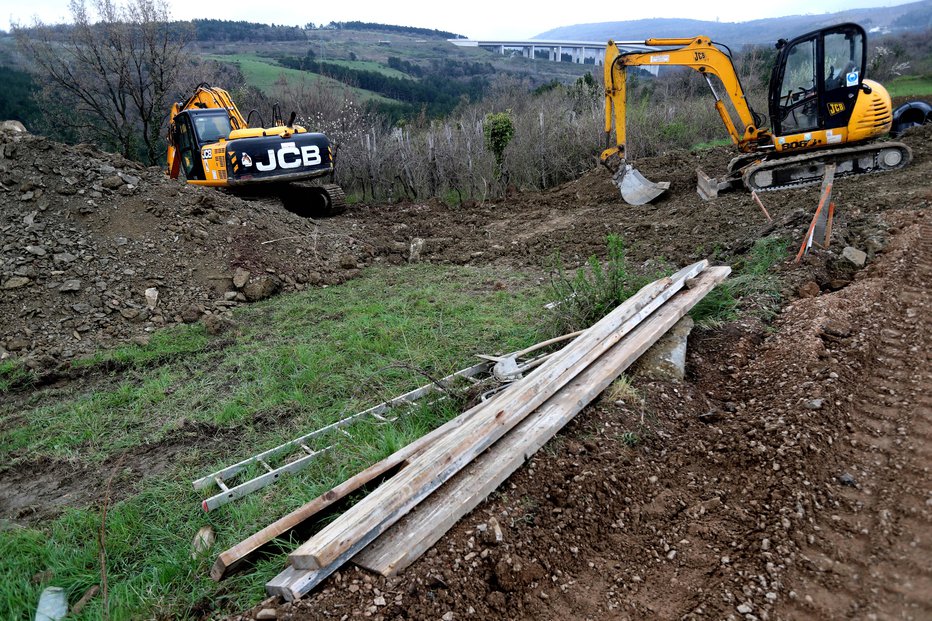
{"type": "Point", "coordinates": [822, 111]}
{"type": "Point", "coordinates": [212, 144]}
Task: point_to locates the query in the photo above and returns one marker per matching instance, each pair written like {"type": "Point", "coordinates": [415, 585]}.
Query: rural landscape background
{"type": "Point", "coordinates": [786, 476]}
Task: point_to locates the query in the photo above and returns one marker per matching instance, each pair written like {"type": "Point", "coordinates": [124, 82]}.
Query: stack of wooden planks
{"type": "Point", "coordinates": [443, 476]}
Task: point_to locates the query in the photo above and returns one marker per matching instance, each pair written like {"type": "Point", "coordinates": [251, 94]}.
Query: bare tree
{"type": "Point", "coordinates": [110, 75]}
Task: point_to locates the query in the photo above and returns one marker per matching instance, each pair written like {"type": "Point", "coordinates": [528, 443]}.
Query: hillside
{"type": "Point", "coordinates": [915, 16]}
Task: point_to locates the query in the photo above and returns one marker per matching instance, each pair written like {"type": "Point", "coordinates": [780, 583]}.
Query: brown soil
{"type": "Point", "coordinates": [787, 477]}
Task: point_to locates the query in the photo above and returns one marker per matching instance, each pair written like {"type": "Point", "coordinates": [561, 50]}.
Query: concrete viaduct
{"type": "Point", "coordinates": [579, 52]}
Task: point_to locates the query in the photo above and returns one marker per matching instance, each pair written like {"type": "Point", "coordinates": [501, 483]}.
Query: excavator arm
{"type": "Point", "coordinates": [698, 54]}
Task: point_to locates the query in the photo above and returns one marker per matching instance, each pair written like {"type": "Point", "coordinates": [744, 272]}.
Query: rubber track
{"type": "Point", "coordinates": [823, 157]}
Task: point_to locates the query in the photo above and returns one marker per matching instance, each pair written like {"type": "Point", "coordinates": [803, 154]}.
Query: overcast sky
{"type": "Point", "coordinates": [476, 19]}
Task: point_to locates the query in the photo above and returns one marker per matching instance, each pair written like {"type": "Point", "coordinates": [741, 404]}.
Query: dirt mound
{"type": "Point", "coordinates": [96, 250]}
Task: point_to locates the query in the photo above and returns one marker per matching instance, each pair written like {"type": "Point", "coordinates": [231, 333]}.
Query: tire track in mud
{"type": "Point", "coordinates": [869, 556]}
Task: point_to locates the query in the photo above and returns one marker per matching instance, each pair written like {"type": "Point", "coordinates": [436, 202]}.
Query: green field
{"type": "Point", "coordinates": [367, 65]}
{"type": "Point", "coordinates": [266, 76]}
{"type": "Point", "coordinates": [910, 86]}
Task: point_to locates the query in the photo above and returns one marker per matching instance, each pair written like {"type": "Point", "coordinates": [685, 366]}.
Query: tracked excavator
{"type": "Point", "coordinates": [212, 144]}
{"type": "Point", "coordinates": [822, 111]}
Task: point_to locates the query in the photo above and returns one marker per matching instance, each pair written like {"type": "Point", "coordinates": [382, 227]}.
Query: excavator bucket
{"type": "Point", "coordinates": [635, 188]}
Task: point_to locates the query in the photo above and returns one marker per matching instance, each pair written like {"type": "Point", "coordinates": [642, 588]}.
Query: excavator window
{"type": "Point", "coordinates": [211, 127]}
{"type": "Point", "coordinates": [799, 97]}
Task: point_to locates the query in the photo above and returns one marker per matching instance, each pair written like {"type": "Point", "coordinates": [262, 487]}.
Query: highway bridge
{"type": "Point", "coordinates": [580, 52]}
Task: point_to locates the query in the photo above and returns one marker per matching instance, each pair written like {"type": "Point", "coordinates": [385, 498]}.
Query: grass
{"type": "Point", "coordinates": [298, 362]}
{"type": "Point", "coordinates": [368, 65]}
{"type": "Point", "coordinates": [910, 85]}
{"type": "Point", "coordinates": [265, 75]}
{"type": "Point", "coordinates": [750, 288]}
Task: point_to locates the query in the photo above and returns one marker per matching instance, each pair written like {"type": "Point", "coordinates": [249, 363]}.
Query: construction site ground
{"type": "Point", "coordinates": [787, 477]}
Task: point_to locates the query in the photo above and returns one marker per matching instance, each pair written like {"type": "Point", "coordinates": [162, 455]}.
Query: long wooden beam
{"type": "Point", "coordinates": [233, 557]}
{"type": "Point", "coordinates": [420, 529]}
{"type": "Point", "coordinates": [370, 517]}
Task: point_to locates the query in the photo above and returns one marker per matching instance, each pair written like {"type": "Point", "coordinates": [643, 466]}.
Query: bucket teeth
{"type": "Point", "coordinates": [635, 188]}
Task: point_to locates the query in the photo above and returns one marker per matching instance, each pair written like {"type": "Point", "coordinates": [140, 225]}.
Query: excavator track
{"type": "Point", "coordinates": [808, 169]}
{"type": "Point", "coordinates": [309, 200]}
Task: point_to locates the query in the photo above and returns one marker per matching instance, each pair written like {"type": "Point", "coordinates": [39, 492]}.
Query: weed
{"type": "Point", "coordinates": [622, 390]}
{"type": "Point", "coordinates": [594, 289]}
{"type": "Point", "coordinates": [14, 374]}
{"type": "Point", "coordinates": [630, 439]}
{"type": "Point", "coordinates": [751, 287]}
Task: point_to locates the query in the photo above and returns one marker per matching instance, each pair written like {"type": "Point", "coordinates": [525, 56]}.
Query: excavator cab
{"type": "Point", "coordinates": [194, 129]}
{"type": "Point", "coordinates": [816, 79]}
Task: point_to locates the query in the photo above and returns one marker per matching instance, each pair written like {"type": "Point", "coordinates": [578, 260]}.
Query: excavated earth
{"type": "Point", "coordinates": [787, 477]}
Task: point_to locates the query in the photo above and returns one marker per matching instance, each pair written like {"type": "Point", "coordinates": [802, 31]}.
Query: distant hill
{"type": "Point", "coordinates": [913, 16]}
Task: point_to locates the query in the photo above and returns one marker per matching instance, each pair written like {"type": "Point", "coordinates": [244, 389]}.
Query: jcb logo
{"type": "Point", "coordinates": [289, 156]}
{"type": "Point", "coordinates": [835, 108]}
{"type": "Point", "coordinates": [699, 56]}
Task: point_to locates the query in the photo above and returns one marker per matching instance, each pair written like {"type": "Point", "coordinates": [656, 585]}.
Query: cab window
{"type": "Point", "coordinates": [843, 59]}
{"type": "Point", "coordinates": [211, 128]}
{"type": "Point", "coordinates": [798, 107]}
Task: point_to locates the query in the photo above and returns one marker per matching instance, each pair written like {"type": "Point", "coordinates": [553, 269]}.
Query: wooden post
{"type": "Point", "coordinates": [820, 219]}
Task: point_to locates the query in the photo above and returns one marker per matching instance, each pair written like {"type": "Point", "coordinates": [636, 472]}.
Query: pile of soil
{"type": "Point", "coordinates": [84, 234]}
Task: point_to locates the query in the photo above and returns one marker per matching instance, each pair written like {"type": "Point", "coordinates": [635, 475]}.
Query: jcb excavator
{"type": "Point", "coordinates": [212, 143]}
{"type": "Point", "coordinates": [820, 105]}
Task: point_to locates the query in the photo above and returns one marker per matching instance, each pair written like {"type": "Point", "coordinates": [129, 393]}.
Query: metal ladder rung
{"type": "Point", "coordinates": [221, 484]}
{"type": "Point", "coordinates": [265, 464]}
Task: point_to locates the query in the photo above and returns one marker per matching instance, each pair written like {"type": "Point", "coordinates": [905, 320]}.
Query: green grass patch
{"type": "Point", "coordinates": [297, 363]}
{"type": "Point", "coordinates": [750, 288]}
{"type": "Point", "coordinates": [368, 65]}
{"type": "Point", "coordinates": [910, 85]}
{"type": "Point", "coordinates": [721, 142]}
{"type": "Point", "coordinates": [583, 297]}
{"type": "Point", "coordinates": [14, 374]}
{"type": "Point", "coordinates": [263, 74]}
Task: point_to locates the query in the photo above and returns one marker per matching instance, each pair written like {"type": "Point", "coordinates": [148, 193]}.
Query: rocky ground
{"type": "Point", "coordinates": [787, 476]}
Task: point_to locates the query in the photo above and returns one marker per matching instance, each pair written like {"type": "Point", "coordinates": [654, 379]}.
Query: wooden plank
{"type": "Point", "coordinates": [231, 558]}
{"type": "Point", "coordinates": [416, 532]}
{"type": "Point", "coordinates": [346, 536]}
{"type": "Point", "coordinates": [294, 583]}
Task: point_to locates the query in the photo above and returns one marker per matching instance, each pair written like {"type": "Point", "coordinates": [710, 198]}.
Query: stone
{"type": "Point", "coordinates": [203, 541]}
{"type": "Point", "coordinates": [240, 278]}
{"type": "Point", "coordinates": [847, 479]}
{"type": "Point", "coordinates": [16, 282]}
{"type": "Point", "coordinates": [744, 609]}
{"type": "Point", "coordinates": [70, 285]}
{"type": "Point", "coordinates": [17, 343]}
{"type": "Point", "coordinates": [262, 288]}
{"type": "Point", "coordinates": [38, 251]}
{"type": "Point", "coordinates": [856, 257]}
{"type": "Point", "coordinates": [217, 325]}
{"type": "Point", "coordinates": [229, 296]}
{"type": "Point", "coordinates": [13, 126]}
{"type": "Point", "coordinates": [191, 313]}
{"type": "Point", "coordinates": [493, 533]}
{"type": "Point", "coordinates": [666, 359]}
{"type": "Point", "coordinates": [809, 289]}
{"type": "Point", "coordinates": [152, 297]}
{"type": "Point", "coordinates": [415, 249]}
{"type": "Point", "coordinates": [267, 613]}
{"type": "Point", "coordinates": [53, 604]}
{"type": "Point", "coordinates": [63, 257]}
{"type": "Point", "coordinates": [815, 404]}
{"type": "Point", "coordinates": [112, 182]}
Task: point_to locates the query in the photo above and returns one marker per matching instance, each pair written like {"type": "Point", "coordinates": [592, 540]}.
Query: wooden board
{"type": "Point", "coordinates": [356, 528]}
{"type": "Point", "coordinates": [396, 497]}
{"type": "Point", "coordinates": [231, 558]}
{"type": "Point", "coordinates": [415, 533]}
